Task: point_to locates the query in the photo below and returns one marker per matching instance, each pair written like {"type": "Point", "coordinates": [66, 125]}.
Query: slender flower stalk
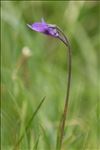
{"type": "Point", "coordinates": [56, 32]}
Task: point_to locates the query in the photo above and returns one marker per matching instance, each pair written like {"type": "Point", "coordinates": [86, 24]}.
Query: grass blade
{"type": "Point", "coordinates": [28, 124]}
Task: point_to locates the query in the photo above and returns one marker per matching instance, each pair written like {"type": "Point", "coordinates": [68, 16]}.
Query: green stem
{"type": "Point", "coordinates": [63, 119]}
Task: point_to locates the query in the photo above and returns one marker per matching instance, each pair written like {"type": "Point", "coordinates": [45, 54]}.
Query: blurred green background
{"type": "Point", "coordinates": [34, 65]}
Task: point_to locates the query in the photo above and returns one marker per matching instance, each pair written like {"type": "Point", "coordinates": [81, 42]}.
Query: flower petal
{"type": "Point", "coordinates": [39, 27]}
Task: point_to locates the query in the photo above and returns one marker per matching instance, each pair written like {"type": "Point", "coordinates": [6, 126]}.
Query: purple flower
{"type": "Point", "coordinates": [45, 28]}
{"type": "Point", "coordinates": [56, 32]}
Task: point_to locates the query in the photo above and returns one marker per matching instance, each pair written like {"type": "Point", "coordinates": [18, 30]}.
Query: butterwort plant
{"type": "Point", "coordinates": [56, 32]}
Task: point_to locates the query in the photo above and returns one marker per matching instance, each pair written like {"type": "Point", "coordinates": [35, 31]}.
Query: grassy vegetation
{"type": "Point", "coordinates": [34, 66]}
